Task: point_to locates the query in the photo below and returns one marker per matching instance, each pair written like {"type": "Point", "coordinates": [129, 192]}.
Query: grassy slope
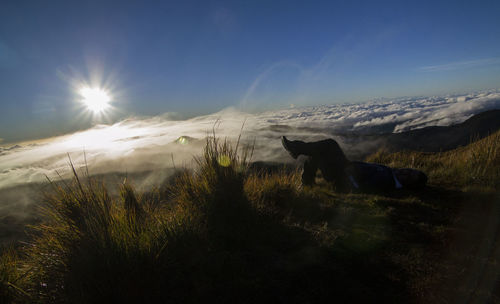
{"type": "Point", "coordinates": [225, 232]}
{"type": "Point", "coordinates": [467, 268]}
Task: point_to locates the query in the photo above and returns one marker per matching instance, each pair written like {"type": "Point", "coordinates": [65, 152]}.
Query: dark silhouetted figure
{"type": "Point", "coordinates": [327, 156]}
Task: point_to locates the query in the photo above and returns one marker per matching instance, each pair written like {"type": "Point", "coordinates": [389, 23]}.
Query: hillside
{"type": "Point", "coordinates": [427, 139]}
{"type": "Point", "coordinates": [229, 233]}
{"type": "Point", "coordinates": [435, 139]}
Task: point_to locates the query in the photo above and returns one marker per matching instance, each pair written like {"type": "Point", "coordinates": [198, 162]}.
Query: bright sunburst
{"type": "Point", "coordinates": [95, 99]}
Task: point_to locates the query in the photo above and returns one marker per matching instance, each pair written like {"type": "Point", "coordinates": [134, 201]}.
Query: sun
{"type": "Point", "coordinates": [96, 100]}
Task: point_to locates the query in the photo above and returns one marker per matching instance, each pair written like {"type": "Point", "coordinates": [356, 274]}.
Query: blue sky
{"type": "Point", "coordinates": [195, 57]}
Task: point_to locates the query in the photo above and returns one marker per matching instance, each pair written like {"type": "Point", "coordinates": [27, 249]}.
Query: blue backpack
{"type": "Point", "coordinates": [368, 177]}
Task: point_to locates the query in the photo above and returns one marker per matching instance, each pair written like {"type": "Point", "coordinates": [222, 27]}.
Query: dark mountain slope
{"type": "Point", "coordinates": [429, 139]}
{"type": "Point", "coordinates": [434, 139]}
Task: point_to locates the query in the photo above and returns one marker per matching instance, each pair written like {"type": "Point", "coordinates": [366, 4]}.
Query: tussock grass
{"type": "Point", "coordinates": [91, 245]}
{"type": "Point", "coordinates": [213, 195]}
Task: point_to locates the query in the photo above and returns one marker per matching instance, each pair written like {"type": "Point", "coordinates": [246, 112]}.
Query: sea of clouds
{"type": "Point", "coordinates": [152, 144]}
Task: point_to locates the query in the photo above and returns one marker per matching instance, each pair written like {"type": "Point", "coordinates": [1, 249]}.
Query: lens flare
{"type": "Point", "coordinates": [224, 161]}
{"type": "Point", "coordinates": [95, 99]}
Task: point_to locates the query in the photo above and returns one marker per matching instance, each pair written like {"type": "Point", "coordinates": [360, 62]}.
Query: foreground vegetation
{"type": "Point", "coordinates": [476, 165]}
{"type": "Point", "coordinates": [228, 233]}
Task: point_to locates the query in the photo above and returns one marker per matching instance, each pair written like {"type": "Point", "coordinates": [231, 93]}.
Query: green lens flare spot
{"type": "Point", "coordinates": [224, 160]}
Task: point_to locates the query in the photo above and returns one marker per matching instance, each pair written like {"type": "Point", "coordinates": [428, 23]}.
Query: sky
{"type": "Point", "coordinates": [189, 58]}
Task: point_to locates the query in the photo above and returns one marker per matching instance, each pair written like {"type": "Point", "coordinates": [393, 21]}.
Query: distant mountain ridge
{"type": "Point", "coordinates": [437, 138]}
{"type": "Point", "coordinates": [428, 139]}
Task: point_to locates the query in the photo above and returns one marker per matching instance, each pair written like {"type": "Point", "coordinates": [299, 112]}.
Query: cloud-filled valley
{"type": "Point", "coordinates": [151, 144]}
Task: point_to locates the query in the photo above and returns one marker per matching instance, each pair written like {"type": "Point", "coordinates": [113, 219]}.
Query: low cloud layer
{"type": "Point", "coordinates": [151, 144]}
